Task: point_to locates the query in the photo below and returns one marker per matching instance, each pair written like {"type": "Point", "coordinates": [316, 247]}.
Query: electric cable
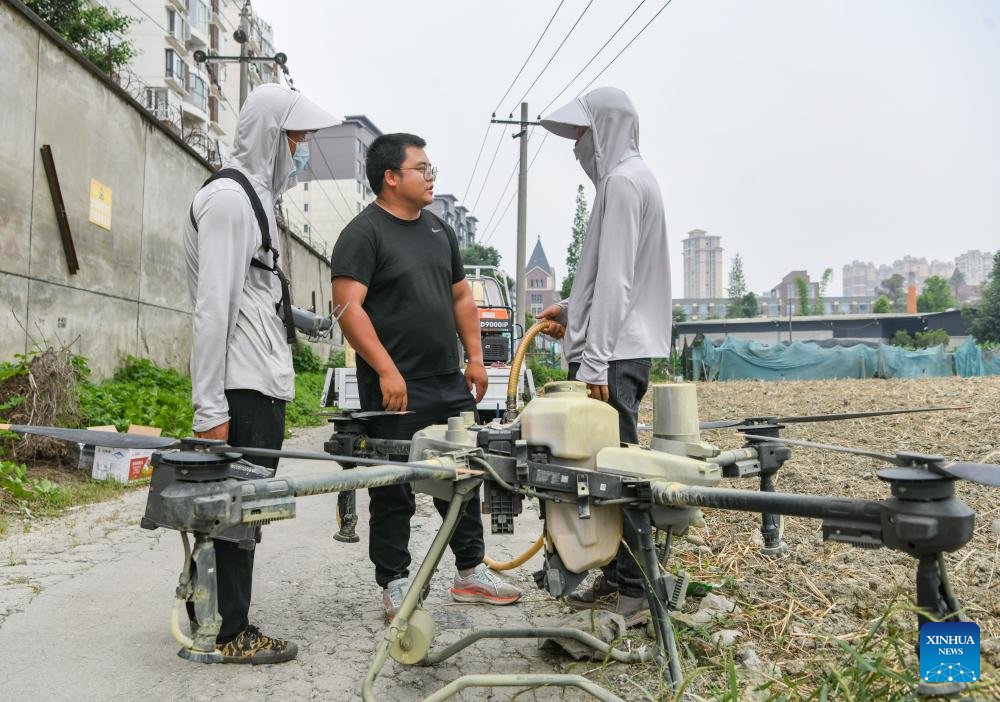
{"type": "Point", "coordinates": [512, 197]}
{"type": "Point", "coordinates": [596, 54]}
{"type": "Point", "coordinates": [532, 53]}
{"type": "Point", "coordinates": [489, 170]}
{"type": "Point", "coordinates": [554, 54]}
{"type": "Point", "coordinates": [664, 7]}
{"type": "Point", "coordinates": [482, 145]}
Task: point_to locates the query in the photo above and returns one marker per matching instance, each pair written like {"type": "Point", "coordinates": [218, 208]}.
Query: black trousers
{"type": "Point", "coordinates": [432, 400]}
{"type": "Point", "coordinates": [256, 421]}
{"type": "Point", "coordinates": [628, 381]}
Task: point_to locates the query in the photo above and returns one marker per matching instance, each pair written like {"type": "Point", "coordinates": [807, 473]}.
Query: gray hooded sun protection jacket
{"type": "Point", "coordinates": [620, 304]}
{"type": "Point", "coordinates": [238, 340]}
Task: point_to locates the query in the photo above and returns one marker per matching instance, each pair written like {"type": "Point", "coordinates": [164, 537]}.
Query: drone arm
{"type": "Point", "coordinates": [809, 506]}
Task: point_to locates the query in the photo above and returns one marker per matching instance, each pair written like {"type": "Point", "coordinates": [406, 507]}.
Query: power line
{"type": "Point", "coordinates": [500, 102]}
{"type": "Point", "coordinates": [554, 53]}
{"type": "Point", "coordinates": [513, 195]}
{"type": "Point", "coordinates": [532, 53]}
{"type": "Point", "coordinates": [335, 183]}
{"type": "Point", "coordinates": [476, 165]}
{"type": "Point", "coordinates": [625, 47]}
{"type": "Point", "coordinates": [150, 17]}
{"type": "Point", "coordinates": [598, 53]}
{"type": "Point", "coordinates": [489, 170]}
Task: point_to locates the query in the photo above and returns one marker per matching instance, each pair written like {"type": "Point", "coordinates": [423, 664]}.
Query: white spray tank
{"type": "Point", "coordinates": [575, 428]}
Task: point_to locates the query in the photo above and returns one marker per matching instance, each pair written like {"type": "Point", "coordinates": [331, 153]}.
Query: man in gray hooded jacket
{"type": "Point", "coordinates": [241, 363]}
{"type": "Point", "coordinates": [618, 314]}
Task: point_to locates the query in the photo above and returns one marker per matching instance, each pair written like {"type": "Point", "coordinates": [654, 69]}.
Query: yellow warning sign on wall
{"type": "Point", "coordinates": [100, 204]}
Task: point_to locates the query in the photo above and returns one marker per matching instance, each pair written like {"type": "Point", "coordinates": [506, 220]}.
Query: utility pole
{"type": "Point", "coordinates": [244, 65]}
{"type": "Point", "coordinates": [522, 211]}
{"type": "Point", "coordinates": [522, 217]}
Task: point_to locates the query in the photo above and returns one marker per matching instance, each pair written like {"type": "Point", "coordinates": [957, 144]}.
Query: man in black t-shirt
{"type": "Point", "coordinates": [397, 270]}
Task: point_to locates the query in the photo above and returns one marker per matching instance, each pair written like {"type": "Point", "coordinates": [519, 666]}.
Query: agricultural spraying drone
{"type": "Point", "coordinates": [563, 450]}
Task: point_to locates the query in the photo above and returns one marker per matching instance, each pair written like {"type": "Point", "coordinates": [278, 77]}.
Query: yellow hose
{"type": "Point", "coordinates": [509, 415]}
{"type": "Point", "coordinates": [520, 560]}
{"type": "Point", "coordinates": [515, 368]}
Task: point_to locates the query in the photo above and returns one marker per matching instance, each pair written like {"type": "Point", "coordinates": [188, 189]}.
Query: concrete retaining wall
{"type": "Point", "coordinates": [130, 293]}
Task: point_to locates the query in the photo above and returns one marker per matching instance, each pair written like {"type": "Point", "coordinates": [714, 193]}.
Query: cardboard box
{"type": "Point", "coordinates": [127, 466]}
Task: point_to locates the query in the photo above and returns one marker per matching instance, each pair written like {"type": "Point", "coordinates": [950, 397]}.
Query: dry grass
{"type": "Point", "coordinates": [823, 612]}
{"type": "Point", "coordinates": [43, 392]}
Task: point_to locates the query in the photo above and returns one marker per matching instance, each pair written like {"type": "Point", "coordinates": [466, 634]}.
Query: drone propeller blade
{"type": "Point", "coordinates": [862, 415]}
{"type": "Point", "coordinates": [310, 456]}
{"type": "Point", "coordinates": [727, 423]}
{"type": "Point", "coordinates": [887, 457]}
{"type": "Point", "coordinates": [97, 438]}
{"type": "Point", "coordinates": [377, 413]}
{"type": "Point", "coordinates": [980, 473]}
{"type": "Point", "coordinates": [720, 424]}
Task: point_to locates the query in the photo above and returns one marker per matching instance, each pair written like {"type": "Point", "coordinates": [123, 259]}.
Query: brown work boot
{"type": "Point", "coordinates": [586, 597]}
{"type": "Point", "coordinates": [603, 595]}
{"type": "Point", "coordinates": [251, 646]}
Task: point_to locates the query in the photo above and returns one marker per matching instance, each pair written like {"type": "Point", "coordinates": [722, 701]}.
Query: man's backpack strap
{"type": "Point", "coordinates": [265, 235]}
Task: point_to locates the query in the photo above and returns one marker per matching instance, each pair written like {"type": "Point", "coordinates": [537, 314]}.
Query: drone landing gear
{"type": "Point", "coordinates": [202, 591]}
{"type": "Point", "coordinates": [411, 633]}
{"type": "Point", "coordinates": [347, 517]}
{"type": "Point", "coordinates": [935, 602]}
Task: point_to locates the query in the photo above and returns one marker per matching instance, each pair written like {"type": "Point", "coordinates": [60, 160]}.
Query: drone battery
{"type": "Point", "coordinates": [246, 535]}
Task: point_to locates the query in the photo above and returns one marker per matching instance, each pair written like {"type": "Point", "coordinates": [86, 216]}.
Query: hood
{"type": "Point", "coordinates": [614, 129]}
{"type": "Point", "coordinates": [260, 149]}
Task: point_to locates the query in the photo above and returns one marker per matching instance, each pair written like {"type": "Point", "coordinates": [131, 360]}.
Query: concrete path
{"type": "Point", "coordinates": [85, 603]}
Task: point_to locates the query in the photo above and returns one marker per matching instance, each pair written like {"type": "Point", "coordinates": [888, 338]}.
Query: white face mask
{"type": "Point", "coordinates": [586, 153]}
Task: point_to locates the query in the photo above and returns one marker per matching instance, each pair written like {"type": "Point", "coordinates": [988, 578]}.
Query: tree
{"type": "Point", "coordinates": [936, 295]}
{"type": "Point", "coordinates": [579, 230]}
{"type": "Point", "coordinates": [751, 307]}
{"type": "Point", "coordinates": [882, 305]}
{"type": "Point", "coordinates": [479, 255]}
{"type": "Point", "coordinates": [94, 30]}
{"type": "Point", "coordinates": [824, 284]}
{"type": "Point", "coordinates": [802, 288]}
{"type": "Point", "coordinates": [986, 326]}
{"type": "Point", "coordinates": [894, 288]}
{"type": "Point", "coordinates": [957, 280]}
{"type": "Point", "coordinates": [737, 289]}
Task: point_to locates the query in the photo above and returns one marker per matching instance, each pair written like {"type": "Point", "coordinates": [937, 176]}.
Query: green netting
{"type": "Point", "coordinates": [896, 362]}
{"type": "Point", "coordinates": [972, 360]}
{"type": "Point", "coordinates": [738, 359]}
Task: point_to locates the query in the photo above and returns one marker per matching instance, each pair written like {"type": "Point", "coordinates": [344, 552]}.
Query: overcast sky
{"type": "Point", "coordinates": [807, 134]}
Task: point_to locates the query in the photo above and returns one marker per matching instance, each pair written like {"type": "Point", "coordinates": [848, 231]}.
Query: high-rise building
{"type": "Point", "coordinates": [911, 264]}
{"type": "Point", "coordinates": [459, 217]}
{"type": "Point", "coordinates": [860, 279]}
{"type": "Point", "coordinates": [334, 189]}
{"type": "Point", "coordinates": [702, 265]}
{"type": "Point", "coordinates": [975, 266]}
{"type": "Point", "coordinates": [198, 101]}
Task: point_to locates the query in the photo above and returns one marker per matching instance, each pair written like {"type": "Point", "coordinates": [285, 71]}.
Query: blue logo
{"type": "Point", "coordinates": [949, 652]}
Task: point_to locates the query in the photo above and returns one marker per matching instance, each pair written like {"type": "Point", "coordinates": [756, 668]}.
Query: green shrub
{"type": "Point", "coordinates": [305, 360]}
{"type": "Point", "coordinates": [139, 393]}
{"type": "Point", "coordinates": [304, 410]}
{"type": "Point", "coordinates": [337, 359]}
{"type": "Point", "coordinates": [921, 340]}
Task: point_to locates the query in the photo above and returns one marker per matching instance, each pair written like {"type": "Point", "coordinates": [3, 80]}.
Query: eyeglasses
{"type": "Point", "coordinates": [428, 172]}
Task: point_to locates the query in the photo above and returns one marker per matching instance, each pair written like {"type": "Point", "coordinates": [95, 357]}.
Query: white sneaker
{"type": "Point", "coordinates": [484, 585]}
{"type": "Point", "coordinates": [392, 596]}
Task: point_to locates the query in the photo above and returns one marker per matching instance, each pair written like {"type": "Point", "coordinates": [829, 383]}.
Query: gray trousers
{"type": "Point", "coordinates": [628, 381]}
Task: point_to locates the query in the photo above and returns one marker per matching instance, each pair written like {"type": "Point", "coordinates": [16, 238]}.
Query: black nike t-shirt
{"type": "Point", "coordinates": [409, 268]}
